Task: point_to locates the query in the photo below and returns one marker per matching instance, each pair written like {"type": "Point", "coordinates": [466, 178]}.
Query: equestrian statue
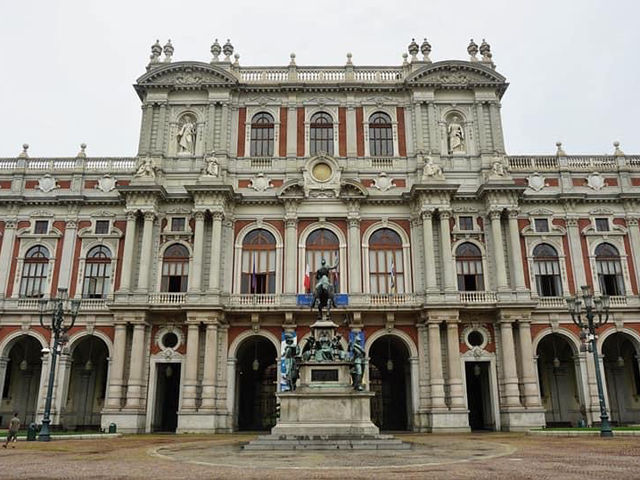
{"type": "Point", "coordinates": [323, 293]}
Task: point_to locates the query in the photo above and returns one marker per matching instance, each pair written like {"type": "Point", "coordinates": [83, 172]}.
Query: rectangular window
{"type": "Point", "coordinates": [602, 224]}
{"type": "Point", "coordinates": [541, 225]}
{"type": "Point", "coordinates": [41, 227]}
{"type": "Point", "coordinates": [178, 224]}
{"type": "Point", "coordinates": [465, 223]}
{"type": "Point", "coordinates": [102, 227]}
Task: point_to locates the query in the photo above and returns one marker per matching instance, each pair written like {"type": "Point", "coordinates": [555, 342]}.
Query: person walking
{"type": "Point", "coordinates": [12, 435]}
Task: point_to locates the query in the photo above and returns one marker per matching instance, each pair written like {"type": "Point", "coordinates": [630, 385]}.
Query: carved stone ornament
{"type": "Point", "coordinates": [383, 182]}
{"type": "Point", "coordinates": [321, 177]}
{"type": "Point", "coordinates": [146, 169]}
{"type": "Point", "coordinates": [431, 171]}
{"type": "Point", "coordinates": [536, 182]}
{"type": "Point", "coordinates": [498, 170]}
{"type": "Point", "coordinates": [106, 183]}
{"type": "Point", "coordinates": [260, 183]}
{"type": "Point", "coordinates": [47, 183]}
{"type": "Point", "coordinates": [596, 181]}
{"type": "Point", "coordinates": [211, 166]}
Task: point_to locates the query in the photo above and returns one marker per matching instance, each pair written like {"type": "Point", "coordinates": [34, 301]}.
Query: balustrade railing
{"type": "Point", "coordinates": [166, 298]}
{"type": "Point", "coordinates": [618, 301]}
{"type": "Point", "coordinates": [254, 299]}
{"type": "Point", "coordinates": [392, 299]}
{"type": "Point", "coordinates": [261, 162]}
{"type": "Point", "coordinates": [70, 163]}
{"type": "Point", "coordinates": [478, 297]}
{"type": "Point", "coordinates": [552, 302]}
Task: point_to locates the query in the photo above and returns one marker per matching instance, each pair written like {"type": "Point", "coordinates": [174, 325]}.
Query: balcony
{"type": "Point", "coordinates": [385, 300]}
{"type": "Point", "coordinates": [592, 163]}
{"type": "Point", "coordinates": [113, 164]}
{"type": "Point", "coordinates": [477, 298]}
{"type": "Point", "coordinates": [551, 302]}
{"type": "Point", "coordinates": [258, 299]}
{"type": "Point", "coordinates": [169, 299]}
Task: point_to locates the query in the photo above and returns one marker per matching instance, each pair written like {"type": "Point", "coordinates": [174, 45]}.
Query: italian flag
{"type": "Point", "coordinates": [307, 279]}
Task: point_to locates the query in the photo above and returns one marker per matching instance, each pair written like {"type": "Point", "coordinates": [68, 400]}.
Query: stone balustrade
{"type": "Point", "coordinates": [597, 163]}
{"type": "Point", "coordinates": [116, 164]}
{"type": "Point", "coordinates": [479, 297]}
{"type": "Point", "coordinates": [167, 298]}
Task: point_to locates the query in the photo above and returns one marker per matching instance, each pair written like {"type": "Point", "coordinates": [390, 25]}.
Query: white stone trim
{"type": "Point", "coordinates": [237, 264]}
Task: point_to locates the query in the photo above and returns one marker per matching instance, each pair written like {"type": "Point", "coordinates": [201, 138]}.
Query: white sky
{"type": "Point", "coordinates": [68, 66]}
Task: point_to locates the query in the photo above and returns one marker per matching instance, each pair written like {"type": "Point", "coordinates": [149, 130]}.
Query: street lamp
{"type": "Point", "coordinates": [57, 307]}
{"type": "Point", "coordinates": [594, 309]}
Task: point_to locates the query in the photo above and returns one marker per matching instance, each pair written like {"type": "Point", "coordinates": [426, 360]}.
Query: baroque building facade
{"type": "Point", "coordinates": [452, 259]}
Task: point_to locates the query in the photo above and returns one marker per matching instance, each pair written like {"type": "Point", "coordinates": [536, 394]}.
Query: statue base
{"type": "Point", "coordinates": [325, 413]}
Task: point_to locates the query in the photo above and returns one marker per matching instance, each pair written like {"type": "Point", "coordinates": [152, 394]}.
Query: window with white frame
{"type": "Point", "coordinates": [97, 273]}
{"type": "Point", "coordinates": [175, 269]}
{"type": "Point", "coordinates": [35, 269]}
{"type": "Point", "coordinates": [609, 270]}
{"type": "Point", "coordinates": [469, 268]}
{"type": "Point", "coordinates": [546, 268]}
{"type": "Point", "coordinates": [258, 262]}
{"type": "Point", "coordinates": [323, 244]}
{"type": "Point", "coordinates": [380, 135]}
{"type": "Point", "coordinates": [262, 135]}
{"type": "Point", "coordinates": [321, 134]}
{"type": "Point", "coordinates": [386, 266]}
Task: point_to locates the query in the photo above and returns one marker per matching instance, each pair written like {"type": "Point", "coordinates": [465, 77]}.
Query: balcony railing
{"type": "Point", "coordinates": [119, 164]}
{"type": "Point", "coordinates": [392, 299]}
{"type": "Point", "coordinates": [28, 303]}
{"type": "Point", "coordinates": [478, 297]}
{"type": "Point", "coordinates": [167, 298]}
{"type": "Point", "coordinates": [254, 299]}
{"type": "Point", "coordinates": [618, 301]}
{"type": "Point", "coordinates": [551, 302]}
{"type": "Point", "coordinates": [93, 304]}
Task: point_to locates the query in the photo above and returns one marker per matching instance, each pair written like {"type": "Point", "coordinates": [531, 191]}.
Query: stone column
{"type": "Point", "coordinates": [116, 372]}
{"type": "Point", "coordinates": [498, 250]}
{"type": "Point", "coordinates": [516, 251]}
{"type": "Point", "coordinates": [135, 400]}
{"type": "Point", "coordinates": [216, 240]}
{"type": "Point", "coordinates": [435, 366]}
{"type": "Point", "coordinates": [355, 256]}
{"type": "Point", "coordinates": [6, 254]}
{"type": "Point", "coordinates": [422, 362]}
{"type": "Point", "coordinates": [210, 367]}
{"type": "Point", "coordinates": [195, 279]}
{"type": "Point", "coordinates": [191, 367]}
{"type": "Point", "coordinates": [580, 278]}
{"type": "Point", "coordinates": [431, 282]}
{"type": "Point", "coordinates": [3, 371]}
{"type": "Point", "coordinates": [147, 251]}
{"type": "Point", "coordinates": [223, 145]}
{"type": "Point", "coordinates": [290, 253]}
{"type": "Point", "coordinates": [634, 237]}
{"type": "Point", "coordinates": [456, 390]}
{"type": "Point", "coordinates": [510, 374]}
{"type": "Point", "coordinates": [531, 393]}
{"type": "Point", "coordinates": [127, 255]}
{"type": "Point", "coordinates": [448, 262]}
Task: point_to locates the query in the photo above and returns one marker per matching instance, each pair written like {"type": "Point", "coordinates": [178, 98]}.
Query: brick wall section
{"type": "Point", "coordinates": [300, 133]}
{"type": "Point", "coordinates": [627, 246]}
{"type": "Point", "coordinates": [522, 224]}
{"type": "Point", "coordinates": [402, 139]}
{"type": "Point", "coordinates": [342, 132]}
{"type": "Point", "coordinates": [582, 224]}
{"type": "Point", "coordinates": [242, 120]}
{"type": "Point", "coordinates": [76, 259]}
{"type": "Point", "coordinates": [61, 225]}
{"type": "Point", "coordinates": [282, 151]}
{"type": "Point", "coordinates": [359, 133]}
{"type": "Point", "coordinates": [122, 226]}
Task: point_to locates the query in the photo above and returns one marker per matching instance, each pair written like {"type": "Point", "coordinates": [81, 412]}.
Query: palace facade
{"type": "Point", "coordinates": [192, 258]}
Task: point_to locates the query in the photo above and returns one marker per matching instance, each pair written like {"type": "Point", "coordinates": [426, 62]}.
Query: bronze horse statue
{"type": "Point", "coordinates": [323, 293]}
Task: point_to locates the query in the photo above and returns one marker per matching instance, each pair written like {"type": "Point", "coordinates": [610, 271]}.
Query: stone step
{"type": "Point", "coordinates": [267, 442]}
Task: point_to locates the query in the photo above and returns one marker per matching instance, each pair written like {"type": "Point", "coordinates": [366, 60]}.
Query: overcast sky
{"type": "Point", "coordinates": [68, 66]}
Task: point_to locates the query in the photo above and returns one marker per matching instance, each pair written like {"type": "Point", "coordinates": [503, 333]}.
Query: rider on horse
{"type": "Point", "coordinates": [323, 291]}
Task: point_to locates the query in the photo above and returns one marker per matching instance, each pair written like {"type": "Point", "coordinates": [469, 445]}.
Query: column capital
{"type": "Point", "coordinates": [426, 214]}
{"type": "Point", "coordinates": [444, 214]}
{"type": "Point", "coordinates": [514, 213]}
{"type": "Point", "coordinates": [131, 215]}
{"type": "Point", "coordinates": [495, 214]}
{"type": "Point", "coordinates": [632, 221]}
{"type": "Point", "coordinates": [572, 222]}
{"type": "Point", "coordinates": [10, 224]}
{"type": "Point", "coordinates": [290, 222]}
{"type": "Point", "coordinates": [149, 216]}
{"type": "Point", "coordinates": [198, 215]}
{"type": "Point", "coordinates": [217, 215]}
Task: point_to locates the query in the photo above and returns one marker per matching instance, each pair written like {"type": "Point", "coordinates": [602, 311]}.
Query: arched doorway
{"type": "Point", "coordinates": [390, 379]}
{"type": "Point", "coordinates": [87, 384]}
{"type": "Point", "coordinates": [623, 378]}
{"type": "Point", "coordinates": [22, 380]}
{"type": "Point", "coordinates": [256, 382]}
{"type": "Point", "coordinates": [558, 382]}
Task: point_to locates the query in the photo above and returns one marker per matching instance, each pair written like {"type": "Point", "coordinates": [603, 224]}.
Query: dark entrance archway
{"type": "Point", "coordinates": [558, 382]}
{"type": "Point", "coordinates": [623, 378]}
{"type": "Point", "coordinates": [390, 379]}
{"type": "Point", "coordinates": [22, 380]}
{"type": "Point", "coordinates": [87, 384]}
{"type": "Point", "coordinates": [256, 381]}
{"type": "Point", "coordinates": [165, 417]}
{"type": "Point", "coordinates": [479, 395]}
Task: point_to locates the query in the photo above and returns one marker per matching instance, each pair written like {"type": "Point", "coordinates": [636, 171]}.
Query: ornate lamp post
{"type": "Point", "coordinates": [57, 307]}
{"type": "Point", "coordinates": [596, 314]}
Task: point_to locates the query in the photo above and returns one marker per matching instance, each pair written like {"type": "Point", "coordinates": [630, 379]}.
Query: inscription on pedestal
{"type": "Point", "coordinates": [324, 375]}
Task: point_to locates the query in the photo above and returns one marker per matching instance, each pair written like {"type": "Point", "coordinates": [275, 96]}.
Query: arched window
{"type": "Point", "coordinates": [34, 272]}
{"type": "Point", "coordinates": [258, 262]}
{"type": "Point", "coordinates": [469, 268]}
{"type": "Point", "coordinates": [321, 134]}
{"type": "Point", "coordinates": [323, 244]}
{"type": "Point", "coordinates": [97, 272]}
{"type": "Point", "coordinates": [609, 270]}
{"type": "Point", "coordinates": [386, 266]}
{"type": "Point", "coordinates": [546, 269]}
{"type": "Point", "coordinates": [262, 135]}
{"type": "Point", "coordinates": [380, 135]}
{"type": "Point", "coordinates": [175, 269]}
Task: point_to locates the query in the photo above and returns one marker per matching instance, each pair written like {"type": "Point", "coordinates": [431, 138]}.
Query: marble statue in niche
{"type": "Point", "coordinates": [187, 136]}
{"type": "Point", "coordinates": [455, 136]}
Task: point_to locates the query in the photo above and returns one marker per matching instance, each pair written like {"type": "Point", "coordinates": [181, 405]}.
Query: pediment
{"type": "Point", "coordinates": [186, 74]}
{"type": "Point", "coordinates": [456, 74]}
